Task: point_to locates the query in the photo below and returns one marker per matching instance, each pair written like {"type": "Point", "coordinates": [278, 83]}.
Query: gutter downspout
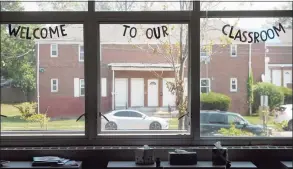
{"type": "Point", "coordinates": [249, 70]}
{"type": "Point", "coordinates": [38, 78]}
{"type": "Point", "coordinates": [113, 89]}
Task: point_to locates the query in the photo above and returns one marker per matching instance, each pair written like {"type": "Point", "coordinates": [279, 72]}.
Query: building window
{"type": "Point", "coordinates": [54, 85]}
{"type": "Point", "coordinates": [81, 53]}
{"type": "Point", "coordinates": [81, 87]}
{"type": "Point", "coordinates": [54, 50]}
{"type": "Point", "coordinates": [233, 50]}
{"type": "Point", "coordinates": [205, 85]}
{"type": "Point", "coordinates": [104, 87]}
{"type": "Point", "coordinates": [233, 85]}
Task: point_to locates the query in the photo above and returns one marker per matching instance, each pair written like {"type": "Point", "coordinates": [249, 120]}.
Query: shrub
{"type": "Point", "coordinates": [275, 95]}
{"type": "Point", "coordinates": [233, 131]}
{"type": "Point", "coordinates": [214, 101]}
{"type": "Point", "coordinates": [26, 109]}
{"type": "Point", "coordinates": [42, 119]}
{"type": "Point", "coordinates": [287, 94]}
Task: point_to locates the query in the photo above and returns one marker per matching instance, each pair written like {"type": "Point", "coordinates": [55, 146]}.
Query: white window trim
{"type": "Point", "coordinates": [57, 83]}
{"type": "Point", "coordinates": [236, 84]}
{"type": "Point", "coordinates": [104, 87]}
{"type": "Point", "coordinates": [52, 50]}
{"type": "Point", "coordinates": [79, 59]}
{"type": "Point", "coordinates": [80, 87]}
{"type": "Point", "coordinates": [231, 47]}
{"type": "Point", "coordinates": [205, 86]}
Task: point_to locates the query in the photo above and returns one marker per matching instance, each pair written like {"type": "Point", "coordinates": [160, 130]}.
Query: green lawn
{"type": "Point", "coordinates": [14, 122]}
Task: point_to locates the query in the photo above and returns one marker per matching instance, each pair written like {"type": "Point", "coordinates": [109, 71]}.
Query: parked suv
{"type": "Point", "coordinates": [212, 121]}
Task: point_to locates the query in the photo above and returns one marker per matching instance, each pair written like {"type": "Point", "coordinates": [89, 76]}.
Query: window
{"type": "Point", "coordinates": [205, 85]}
{"type": "Point", "coordinates": [233, 84]}
{"type": "Point", "coordinates": [135, 53]}
{"type": "Point", "coordinates": [104, 87]}
{"type": "Point", "coordinates": [54, 50]}
{"type": "Point", "coordinates": [242, 5]}
{"type": "Point", "coordinates": [81, 87]}
{"type": "Point", "coordinates": [122, 114]}
{"type": "Point", "coordinates": [232, 119]}
{"type": "Point", "coordinates": [133, 5]}
{"type": "Point", "coordinates": [233, 50]}
{"type": "Point", "coordinates": [54, 85]}
{"type": "Point", "coordinates": [229, 75]}
{"type": "Point", "coordinates": [74, 5]}
{"type": "Point", "coordinates": [81, 53]}
{"type": "Point", "coordinates": [135, 76]}
{"type": "Point", "coordinates": [135, 114]}
{"type": "Point", "coordinates": [217, 118]}
{"type": "Point", "coordinates": [27, 63]}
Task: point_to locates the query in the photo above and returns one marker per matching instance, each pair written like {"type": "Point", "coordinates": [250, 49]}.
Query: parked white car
{"type": "Point", "coordinates": [132, 120]}
{"type": "Point", "coordinates": [285, 114]}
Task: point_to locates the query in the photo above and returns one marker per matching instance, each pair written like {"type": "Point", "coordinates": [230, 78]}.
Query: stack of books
{"type": "Point", "coordinates": [49, 161]}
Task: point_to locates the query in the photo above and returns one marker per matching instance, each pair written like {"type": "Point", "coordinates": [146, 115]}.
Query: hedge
{"type": "Point", "coordinates": [215, 101]}
{"type": "Point", "coordinates": [274, 93]}
{"type": "Point", "coordinates": [287, 94]}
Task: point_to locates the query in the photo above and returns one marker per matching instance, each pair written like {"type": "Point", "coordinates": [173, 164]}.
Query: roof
{"type": "Point", "coordinates": [142, 65]}
{"type": "Point", "coordinates": [113, 34]}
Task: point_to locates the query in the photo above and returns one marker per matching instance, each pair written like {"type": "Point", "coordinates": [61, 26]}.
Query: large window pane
{"type": "Point", "coordinates": [244, 5]}
{"type": "Point", "coordinates": [41, 92]}
{"type": "Point", "coordinates": [151, 5]}
{"type": "Point", "coordinates": [240, 72]}
{"type": "Point", "coordinates": [41, 5]}
{"type": "Point", "coordinates": [146, 70]}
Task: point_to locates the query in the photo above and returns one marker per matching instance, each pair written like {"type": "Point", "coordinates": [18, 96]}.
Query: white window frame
{"type": "Point", "coordinates": [231, 84]}
{"type": "Point", "coordinates": [79, 53]}
{"type": "Point", "coordinates": [231, 50]}
{"type": "Point", "coordinates": [209, 86]}
{"type": "Point", "coordinates": [52, 85]}
{"type": "Point", "coordinates": [80, 87]}
{"type": "Point", "coordinates": [51, 50]}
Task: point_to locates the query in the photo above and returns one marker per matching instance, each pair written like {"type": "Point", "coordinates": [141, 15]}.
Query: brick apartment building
{"type": "Point", "coordinates": [61, 72]}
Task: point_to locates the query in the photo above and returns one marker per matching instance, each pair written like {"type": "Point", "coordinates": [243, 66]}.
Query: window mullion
{"type": "Point", "coordinates": [194, 71]}
{"type": "Point", "coordinates": [91, 69]}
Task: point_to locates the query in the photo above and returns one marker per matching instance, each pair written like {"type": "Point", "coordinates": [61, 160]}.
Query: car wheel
{"type": "Point", "coordinates": [155, 126]}
{"type": "Point", "coordinates": [290, 125]}
{"type": "Point", "coordinates": [111, 126]}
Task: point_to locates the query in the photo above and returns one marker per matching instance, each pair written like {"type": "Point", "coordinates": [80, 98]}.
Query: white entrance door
{"type": "Point", "coordinates": [137, 92]}
{"type": "Point", "coordinates": [153, 92]}
{"type": "Point", "coordinates": [121, 92]}
{"type": "Point", "coordinates": [287, 75]}
{"type": "Point", "coordinates": [168, 97]}
{"type": "Point", "coordinates": [276, 79]}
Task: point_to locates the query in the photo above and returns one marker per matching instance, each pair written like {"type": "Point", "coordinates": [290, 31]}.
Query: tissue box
{"type": "Point", "coordinates": [144, 156]}
{"type": "Point", "coordinates": [219, 156]}
{"type": "Point", "coordinates": [186, 158]}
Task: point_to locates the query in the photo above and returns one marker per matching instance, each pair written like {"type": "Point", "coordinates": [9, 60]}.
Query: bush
{"type": "Point", "coordinates": [215, 101]}
{"type": "Point", "coordinates": [233, 131]}
{"type": "Point", "coordinates": [275, 95]}
{"type": "Point", "coordinates": [42, 119]}
{"type": "Point", "coordinates": [287, 94]}
{"type": "Point", "coordinates": [26, 109]}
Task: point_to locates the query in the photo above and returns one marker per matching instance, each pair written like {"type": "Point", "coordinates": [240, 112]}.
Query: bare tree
{"type": "Point", "coordinates": [176, 54]}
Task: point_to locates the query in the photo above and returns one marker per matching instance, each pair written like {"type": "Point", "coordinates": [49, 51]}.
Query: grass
{"type": "Point", "coordinates": [14, 122]}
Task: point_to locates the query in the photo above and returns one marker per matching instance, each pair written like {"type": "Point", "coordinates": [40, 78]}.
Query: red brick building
{"type": "Point", "coordinates": [140, 76]}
